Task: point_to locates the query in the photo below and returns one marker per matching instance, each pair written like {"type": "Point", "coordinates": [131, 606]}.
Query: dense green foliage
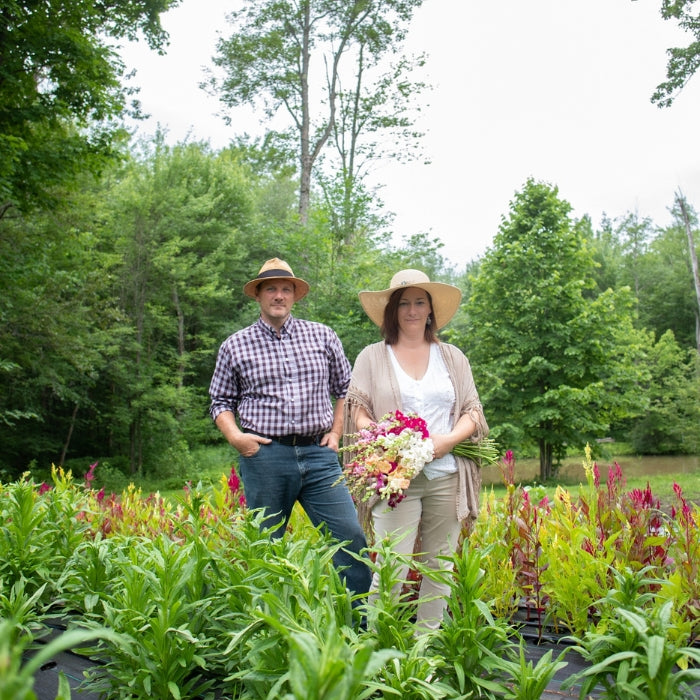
{"type": "Point", "coordinates": [62, 90]}
{"type": "Point", "coordinates": [113, 309]}
{"type": "Point", "coordinates": [558, 361]}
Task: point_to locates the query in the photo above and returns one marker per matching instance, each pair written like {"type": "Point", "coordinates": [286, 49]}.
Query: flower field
{"type": "Point", "coordinates": [190, 599]}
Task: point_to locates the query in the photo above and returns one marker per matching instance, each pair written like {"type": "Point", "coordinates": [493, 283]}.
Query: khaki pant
{"type": "Point", "coordinates": [430, 505]}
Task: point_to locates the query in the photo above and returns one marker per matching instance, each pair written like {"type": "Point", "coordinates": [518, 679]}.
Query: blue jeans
{"type": "Point", "coordinates": [278, 475]}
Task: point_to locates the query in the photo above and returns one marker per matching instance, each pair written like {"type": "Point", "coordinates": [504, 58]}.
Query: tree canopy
{"type": "Point", "coordinates": [61, 88]}
{"type": "Point", "coordinates": [683, 61]}
{"type": "Point", "coordinates": [291, 57]}
{"type": "Point", "coordinates": [554, 365]}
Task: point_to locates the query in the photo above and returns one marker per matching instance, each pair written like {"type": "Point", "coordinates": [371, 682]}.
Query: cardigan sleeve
{"type": "Point", "coordinates": [373, 386]}
{"type": "Point", "coordinates": [467, 401]}
{"type": "Point", "coordinates": [358, 395]}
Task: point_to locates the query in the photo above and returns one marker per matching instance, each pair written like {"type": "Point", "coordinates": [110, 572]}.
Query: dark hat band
{"type": "Point", "coordinates": [275, 273]}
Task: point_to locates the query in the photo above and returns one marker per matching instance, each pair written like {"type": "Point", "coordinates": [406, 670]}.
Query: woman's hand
{"type": "Point", "coordinates": [362, 418]}
{"type": "Point", "coordinates": [442, 445]}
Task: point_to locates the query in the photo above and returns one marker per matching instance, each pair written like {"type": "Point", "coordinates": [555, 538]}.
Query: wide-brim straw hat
{"type": "Point", "coordinates": [276, 269]}
{"type": "Point", "coordinates": [446, 298]}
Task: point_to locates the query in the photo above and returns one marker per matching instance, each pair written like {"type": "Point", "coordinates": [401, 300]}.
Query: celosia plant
{"type": "Point", "coordinates": [587, 538]}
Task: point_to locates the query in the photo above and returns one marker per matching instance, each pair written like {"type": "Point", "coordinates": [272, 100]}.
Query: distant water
{"type": "Point", "coordinates": [572, 472]}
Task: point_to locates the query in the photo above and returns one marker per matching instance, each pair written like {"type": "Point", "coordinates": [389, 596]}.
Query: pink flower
{"type": "Point", "coordinates": [90, 476]}
{"type": "Point", "coordinates": [234, 484]}
{"type": "Point", "coordinates": [387, 455]}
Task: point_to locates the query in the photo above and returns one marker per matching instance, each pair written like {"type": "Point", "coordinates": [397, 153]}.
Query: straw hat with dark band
{"type": "Point", "coordinates": [445, 297]}
{"type": "Point", "coordinates": [276, 269]}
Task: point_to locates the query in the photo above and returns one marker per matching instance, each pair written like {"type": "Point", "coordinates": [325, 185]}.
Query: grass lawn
{"type": "Point", "coordinates": [660, 473]}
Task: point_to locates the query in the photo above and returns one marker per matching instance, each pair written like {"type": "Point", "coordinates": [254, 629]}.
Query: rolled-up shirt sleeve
{"type": "Point", "coordinates": [339, 367]}
{"type": "Point", "coordinates": [223, 388]}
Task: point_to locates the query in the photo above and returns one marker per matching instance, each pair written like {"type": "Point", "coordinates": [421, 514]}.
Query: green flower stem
{"type": "Point", "coordinates": [484, 453]}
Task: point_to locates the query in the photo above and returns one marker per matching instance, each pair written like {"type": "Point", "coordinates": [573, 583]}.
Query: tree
{"type": "Point", "coordinates": [554, 366]}
{"type": "Point", "coordinates": [176, 218]}
{"type": "Point", "coordinates": [683, 62]}
{"type": "Point", "coordinates": [112, 310]}
{"type": "Point", "coordinates": [656, 264]}
{"type": "Point", "coordinates": [290, 56]}
{"type": "Point", "coordinates": [689, 219]}
{"type": "Point", "coordinates": [374, 121]}
{"type": "Point", "coordinates": [61, 90]}
{"type": "Point", "coordinates": [58, 327]}
{"type": "Point", "coordinates": [634, 235]}
{"type": "Point", "coordinates": [671, 423]}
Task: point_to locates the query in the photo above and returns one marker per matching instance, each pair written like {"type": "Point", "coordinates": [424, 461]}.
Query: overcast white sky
{"type": "Point", "coordinates": [557, 90]}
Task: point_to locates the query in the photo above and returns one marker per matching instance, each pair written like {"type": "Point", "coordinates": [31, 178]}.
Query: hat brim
{"type": "Point", "coordinates": [445, 297]}
{"type": "Point", "coordinates": [301, 288]}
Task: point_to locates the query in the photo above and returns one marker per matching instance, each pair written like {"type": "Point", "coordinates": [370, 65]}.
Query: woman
{"type": "Point", "coordinates": [412, 371]}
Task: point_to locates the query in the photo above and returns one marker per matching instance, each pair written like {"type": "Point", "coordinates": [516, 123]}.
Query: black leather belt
{"type": "Point", "coordinates": [295, 440]}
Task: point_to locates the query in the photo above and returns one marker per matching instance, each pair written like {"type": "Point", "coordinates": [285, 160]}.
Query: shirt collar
{"type": "Point", "coordinates": [286, 329]}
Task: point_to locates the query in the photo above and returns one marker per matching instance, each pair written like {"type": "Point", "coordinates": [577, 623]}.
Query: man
{"type": "Point", "coordinates": [271, 398]}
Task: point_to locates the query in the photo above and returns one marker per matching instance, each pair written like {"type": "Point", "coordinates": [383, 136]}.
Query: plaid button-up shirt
{"type": "Point", "coordinates": [280, 385]}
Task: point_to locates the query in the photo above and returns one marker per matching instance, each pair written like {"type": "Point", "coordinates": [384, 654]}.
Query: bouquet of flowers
{"type": "Point", "coordinates": [387, 455]}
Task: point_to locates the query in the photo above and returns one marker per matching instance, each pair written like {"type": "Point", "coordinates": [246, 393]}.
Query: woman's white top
{"type": "Point", "coordinates": [432, 398]}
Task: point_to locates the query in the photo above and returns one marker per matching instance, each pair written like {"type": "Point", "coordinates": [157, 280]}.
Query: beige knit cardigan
{"type": "Point", "coordinates": [374, 386]}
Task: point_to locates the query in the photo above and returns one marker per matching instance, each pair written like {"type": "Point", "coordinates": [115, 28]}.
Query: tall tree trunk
{"type": "Point", "coordinates": [180, 351]}
{"type": "Point", "coordinates": [694, 263]}
{"type": "Point", "coordinates": [305, 159]}
{"type": "Point", "coordinates": [69, 436]}
{"type": "Point", "coordinates": [139, 292]}
{"type": "Point", "coordinates": [180, 339]}
{"type": "Point", "coordinates": [308, 155]}
{"type": "Point", "coordinates": [546, 453]}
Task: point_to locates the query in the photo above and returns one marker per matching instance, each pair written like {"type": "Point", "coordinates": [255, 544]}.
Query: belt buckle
{"type": "Point", "coordinates": [294, 439]}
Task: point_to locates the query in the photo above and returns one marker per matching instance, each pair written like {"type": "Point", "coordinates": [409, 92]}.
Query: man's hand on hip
{"type": "Point", "coordinates": [248, 444]}
{"type": "Point", "coordinates": [330, 440]}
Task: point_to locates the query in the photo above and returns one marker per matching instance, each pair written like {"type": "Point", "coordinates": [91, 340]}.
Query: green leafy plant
{"type": "Point", "coordinates": [686, 576]}
{"type": "Point", "coordinates": [21, 658]}
{"type": "Point", "coordinates": [530, 680]}
{"type": "Point", "coordinates": [23, 609]}
{"type": "Point", "coordinates": [163, 641]}
{"type": "Point", "coordinates": [391, 609]}
{"type": "Point", "coordinates": [412, 674]}
{"type": "Point", "coordinates": [586, 536]}
{"type": "Point", "coordinates": [328, 664]}
{"type": "Point", "coordinates": [31, 536]}
{"type": "Point", "coordinates": [470, 641]}
{"type": "Point", "coordinates": [635, 653]}
{"type": "Point", "coordinates": [287, 586]}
